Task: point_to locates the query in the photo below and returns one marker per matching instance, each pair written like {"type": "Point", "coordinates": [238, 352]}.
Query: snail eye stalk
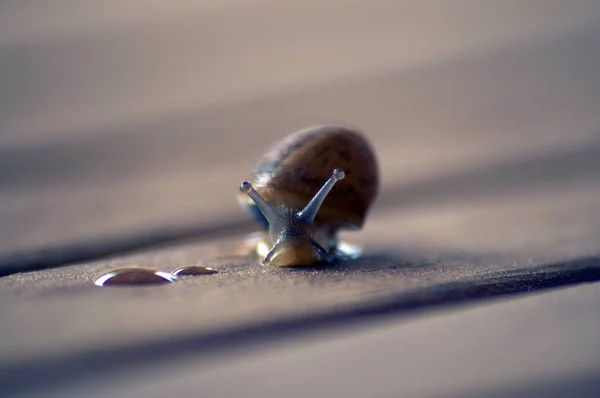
{"type": "Point", "coordinates": [284, 222]}
{"type": "Point", "coordinates": [312, 208]}
{"type": "Point", "coordinates": [274, 214]}
{"type": "Point", "coordinates": [271, 213]}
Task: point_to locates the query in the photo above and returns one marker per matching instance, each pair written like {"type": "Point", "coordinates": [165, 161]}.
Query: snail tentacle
{"type": "Point", "coordinates": [309, 213]}
{"type": "Point", "coordinates": [272, 253]}
{"type": "Point", "coordinates": [319, 249]}
{"type": "Point", "coordinates": [270, 212]}
{"type": "Point", "coordinates": [289, 227]}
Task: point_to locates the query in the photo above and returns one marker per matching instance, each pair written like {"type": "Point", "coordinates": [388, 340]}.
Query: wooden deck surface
{"type": "Point", "coordinates": [127, 128]}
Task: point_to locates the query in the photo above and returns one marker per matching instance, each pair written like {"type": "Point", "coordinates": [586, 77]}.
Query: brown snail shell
{"type": "Point", "coordinates": [295, 168]}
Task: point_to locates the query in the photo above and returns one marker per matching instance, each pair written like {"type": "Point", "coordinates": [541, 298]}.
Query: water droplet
{"type": "Point", "coordinates": [194, 270]}
{"type": "Point", "coordinates": [134, 276]}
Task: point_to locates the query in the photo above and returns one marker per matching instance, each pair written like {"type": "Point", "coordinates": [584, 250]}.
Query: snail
{"type": "Point", "coordinates": [308, 187]}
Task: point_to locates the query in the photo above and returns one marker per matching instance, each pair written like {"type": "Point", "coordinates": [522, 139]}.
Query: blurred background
{"type": "Point", "coordinates": [123, 118]}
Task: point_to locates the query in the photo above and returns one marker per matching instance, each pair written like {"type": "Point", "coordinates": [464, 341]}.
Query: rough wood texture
{"type": "Point", "coordinates": [540, 346]}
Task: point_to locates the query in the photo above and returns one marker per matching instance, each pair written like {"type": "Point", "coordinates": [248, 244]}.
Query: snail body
{"type": "Point", "coordinates": [309, 186]}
